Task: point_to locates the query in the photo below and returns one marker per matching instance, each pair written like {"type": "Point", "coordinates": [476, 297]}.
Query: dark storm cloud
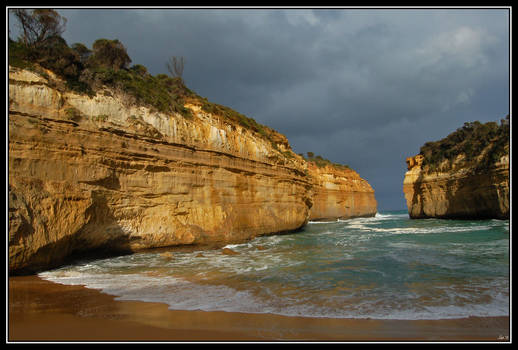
{"type": "Point", "coordinates": [361, 87]}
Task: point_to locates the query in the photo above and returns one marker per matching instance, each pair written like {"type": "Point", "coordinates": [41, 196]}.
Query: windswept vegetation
{"type": "Point", "coordinates": [86, 76]}
{"type": "Point", "coordinates": [86, 70]}
{"type": "Point", "coordinates": [231, 114]}
{"type": "Point", "coordinates": [471, 140]}
{"type": "Point", "coordinates": [321, 162]}
{"type": "Point", "coordinates": [107, 63]}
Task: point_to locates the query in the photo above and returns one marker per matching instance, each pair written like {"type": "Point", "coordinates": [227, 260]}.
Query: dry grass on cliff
{"type": "Point", "coordinates": [321, 162]}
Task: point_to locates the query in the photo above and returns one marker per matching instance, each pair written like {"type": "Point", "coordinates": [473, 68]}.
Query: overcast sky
{"type": "Point", "coordinates": [363, 87]}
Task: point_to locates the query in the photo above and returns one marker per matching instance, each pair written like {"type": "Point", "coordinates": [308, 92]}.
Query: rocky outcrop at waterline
{"type": "Point", "coordinates": [340, 192]}
{"type": "Point", "coordinates": [103, 173]}
{"type": "Point", "coordinates": [464, 176]}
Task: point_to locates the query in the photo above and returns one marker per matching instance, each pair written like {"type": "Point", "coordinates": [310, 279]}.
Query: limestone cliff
{"type": "Point", "coordinates": [97, 173]}
{"type": "Point", "coordinates": [340, 193]}
{"type": "Point", "coordinates": [460, 188]}
{"type": "Point", "coordinates": [102, 173]}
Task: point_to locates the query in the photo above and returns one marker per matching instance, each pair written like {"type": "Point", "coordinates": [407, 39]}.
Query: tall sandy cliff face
{"type": "Point", "coordinates": [340, 193]}
{"type": "Point", "coordinates": [460, 193]}
{"type": "Point", "coordinates": [101, 174]}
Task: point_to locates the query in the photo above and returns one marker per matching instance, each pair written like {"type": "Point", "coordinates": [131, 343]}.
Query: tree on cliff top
{"type": "Point", "coordinates": [175, 67]}
{"type": "Point", "coordinates": [83, 52]}
{"type": "Point", "coordinates": [39, 25]}
{"type": "Point", "coordinates": [471, 140]}
{"type": "Point", "coordinates": [109, 54]}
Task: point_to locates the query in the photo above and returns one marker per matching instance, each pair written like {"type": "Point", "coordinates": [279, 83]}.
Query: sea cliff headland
{"type": "Point", "coordinates": [463, 176]}
{"type": "Point", "coordinates": [101, 172]}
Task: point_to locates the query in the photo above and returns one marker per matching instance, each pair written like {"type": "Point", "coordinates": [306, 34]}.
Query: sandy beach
{"type": "Point", "coordinates": [44, 311]}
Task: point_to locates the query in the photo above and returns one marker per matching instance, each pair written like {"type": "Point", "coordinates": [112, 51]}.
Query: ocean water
{"type": "Point", "coordinates": [385, 267]}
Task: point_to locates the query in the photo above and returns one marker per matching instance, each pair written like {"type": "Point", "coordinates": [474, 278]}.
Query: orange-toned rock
{"type": "Point", "coordinates": [460, 193]}
{"type": "Point", "coordinates": [228, 251]}
{"type": "Point", "coordinates": [340, 193]}
{"type": "Point", "coordinates": [167, 255]}
{"type": "Point", "coordinates": [102, 174]}
{"type": "Point", "coordinates": [414, 161]}
{"type": "Point", "coordinates": [98, 173]}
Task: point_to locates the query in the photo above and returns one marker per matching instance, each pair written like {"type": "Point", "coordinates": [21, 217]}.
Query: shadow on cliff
{"type": "Point", "coordinates": [476, 199]}
{"type": "Point", "coordinates": [415, 199]}
{"type": "Point", "coordinates": [100, 237]}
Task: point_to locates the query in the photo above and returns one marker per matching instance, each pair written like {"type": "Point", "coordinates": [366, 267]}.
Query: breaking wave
{"type": "Point", "coordinates": [385, 267]}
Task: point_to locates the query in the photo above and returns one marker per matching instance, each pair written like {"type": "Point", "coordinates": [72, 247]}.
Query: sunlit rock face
{"type": "Point", "coordinates": [340, 193]}
{"type": "Point", "coordinates": [459, 193]}
{"type": "Point", "coordinates": [103, 175]}
{"type": "Point", "coordinates": [98, 173]}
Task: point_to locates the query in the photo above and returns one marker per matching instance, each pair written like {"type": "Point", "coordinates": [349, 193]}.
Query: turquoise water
{"type": "Point", "coordinates": [386, 267]}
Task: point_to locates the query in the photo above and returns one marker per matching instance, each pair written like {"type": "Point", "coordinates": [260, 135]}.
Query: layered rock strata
{"type": "Point", "coordinates": [461, 193]}
{"type": "Point", "coordinates": [340, 193]}
{"type": "Point", "coordinates": [102, 174]}
{"type": "Point", "coordinates": [97, 173]}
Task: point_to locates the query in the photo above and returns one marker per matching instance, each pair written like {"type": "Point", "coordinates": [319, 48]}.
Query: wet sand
{"type": "Point", "coordinates": [44, 311]}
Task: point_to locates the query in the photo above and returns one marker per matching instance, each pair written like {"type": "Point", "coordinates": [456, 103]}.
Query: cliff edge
{"type": "Point", "coordinates": [339, 193]}
{"type": "Point", "coordinates": [464, 176]}
{"type": "Point", "coordinates": [93, 173]}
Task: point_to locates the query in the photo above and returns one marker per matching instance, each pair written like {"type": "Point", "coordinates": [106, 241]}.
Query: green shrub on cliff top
{"type": "Point", "coordinates": [244, 121]}
{"type": "Point", "coordinates": [86, 71]}
{"type": "Point", "coordinates": [108, 54]}
{"type": "Point", "coordinates": [164, 94]}
{"type": "Point", "coordinates": [470, 141]}
{"type": "Point", "coordinates": [321, 162]}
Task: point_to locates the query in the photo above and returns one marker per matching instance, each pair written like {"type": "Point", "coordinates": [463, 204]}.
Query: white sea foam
{"type": "Point", "coordinates": [241, 245]}
{"type": "Point", "coordinates": [323, 222]}
{"type": "Point", "coordinates": [297, 275]}
{"type": "Point", "coordinates": [183, 295]}
{"type": "Point", "coordinates": [362, 226]}
{"type": "Point", "coordinates": [390, 216]}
